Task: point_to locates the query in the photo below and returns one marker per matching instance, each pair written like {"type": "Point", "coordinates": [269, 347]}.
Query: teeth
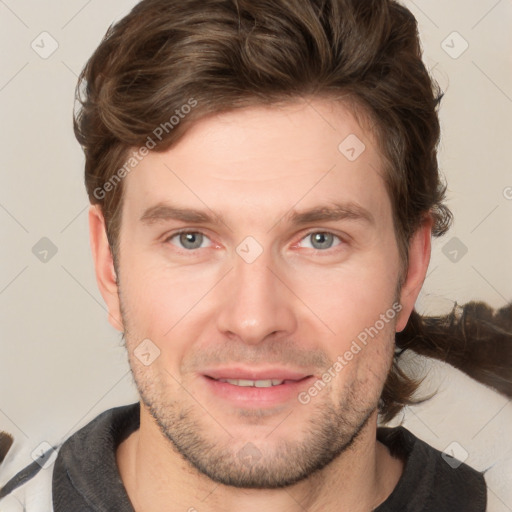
{"type": "Point", "coordinates": [253, 383]}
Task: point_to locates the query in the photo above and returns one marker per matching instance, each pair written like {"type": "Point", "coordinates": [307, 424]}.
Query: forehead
{"type": "Point", "coordinates": [265, 159]}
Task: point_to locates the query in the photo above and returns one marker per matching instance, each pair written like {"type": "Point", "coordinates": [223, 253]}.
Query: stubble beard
{"type": "Point", "coordinates": [331, 429]}
{"type": "Point", "coordinates": [205, 443]}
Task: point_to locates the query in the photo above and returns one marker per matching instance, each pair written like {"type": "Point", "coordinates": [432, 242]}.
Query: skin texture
{"type": "Point", "coordinates": [299, 305]}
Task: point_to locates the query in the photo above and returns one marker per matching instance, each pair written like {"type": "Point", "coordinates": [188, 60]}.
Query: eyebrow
{"type": "Point", "coordinates": [162, 212]}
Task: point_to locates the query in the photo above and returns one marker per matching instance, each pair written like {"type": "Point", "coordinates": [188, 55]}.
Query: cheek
{"type": "Point", "coordinates": [161, 304]}
{"type": "Point", "coordinates": [361, 363]}
{"type": "Point", "coordinates": [351, 298]}
{"type": "Point", "coordinates": [357, 304]}
{"type": "Point", "coordinates": [158, 296]}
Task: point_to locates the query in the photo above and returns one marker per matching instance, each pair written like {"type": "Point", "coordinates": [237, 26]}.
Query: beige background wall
{"type": "Point", "coordinates": [60, 361]}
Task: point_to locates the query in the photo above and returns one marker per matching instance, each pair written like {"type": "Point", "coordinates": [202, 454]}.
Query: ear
{"type": "Point", "coordinates": [419, 259]}
{"type": "Point", "coordinates": [104, 266]}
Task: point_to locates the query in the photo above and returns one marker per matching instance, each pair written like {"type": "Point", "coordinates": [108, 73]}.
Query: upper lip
{"type": "Point", "coordinates": [254, 374]}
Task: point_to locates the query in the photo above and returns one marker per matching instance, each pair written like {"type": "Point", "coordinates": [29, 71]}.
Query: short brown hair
{"type": "Point", "coordinates": [235, 53]}
{"type": "Point", "coordinates": [221, 55]}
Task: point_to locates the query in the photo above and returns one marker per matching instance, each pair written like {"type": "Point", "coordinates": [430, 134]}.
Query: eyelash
{"type": "Point", "coordinates": [191, 251]}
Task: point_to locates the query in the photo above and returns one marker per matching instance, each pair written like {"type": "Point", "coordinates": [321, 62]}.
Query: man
{"type": "Point", "coordinates": [264, 187]}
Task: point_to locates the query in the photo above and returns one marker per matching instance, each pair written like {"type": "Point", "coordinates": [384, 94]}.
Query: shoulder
{"type": "Point", "coordinates": [32, 488]}
{"type": "Point", "coordinates": [431, 479]}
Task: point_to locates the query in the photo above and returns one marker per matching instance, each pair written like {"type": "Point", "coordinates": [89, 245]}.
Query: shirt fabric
{"type": "Point", "coordinates": [85, 477]}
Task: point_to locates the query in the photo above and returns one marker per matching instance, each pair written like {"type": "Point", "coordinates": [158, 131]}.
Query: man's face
{"type": "Point", "coordinates": [257, 296]}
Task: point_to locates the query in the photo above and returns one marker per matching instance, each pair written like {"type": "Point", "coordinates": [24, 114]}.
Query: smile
{"type": "Point", "coordinates": [254, 383]}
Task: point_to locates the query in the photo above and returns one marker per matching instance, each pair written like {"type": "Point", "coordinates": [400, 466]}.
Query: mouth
{"type": "Point", "coordinates": [255, 389]}
{"type": "Point", "coordinates": [246, 383]}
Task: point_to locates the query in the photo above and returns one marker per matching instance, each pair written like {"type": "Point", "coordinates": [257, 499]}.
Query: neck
{"type": "Point", "coordinates": [157, 477]}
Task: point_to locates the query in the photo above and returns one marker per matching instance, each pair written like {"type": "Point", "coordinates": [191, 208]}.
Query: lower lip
{"type": "Point", "coordinates": [251, 396]}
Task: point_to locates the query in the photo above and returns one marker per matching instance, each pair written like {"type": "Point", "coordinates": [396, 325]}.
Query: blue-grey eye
{"type": "Point", "coordinates": [321, 240]}
{"type": "Point", "coordinates": [189, 240]}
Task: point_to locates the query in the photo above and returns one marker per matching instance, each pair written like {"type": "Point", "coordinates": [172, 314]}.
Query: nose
{"type": "Point", "coordinates": [255, 301]}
